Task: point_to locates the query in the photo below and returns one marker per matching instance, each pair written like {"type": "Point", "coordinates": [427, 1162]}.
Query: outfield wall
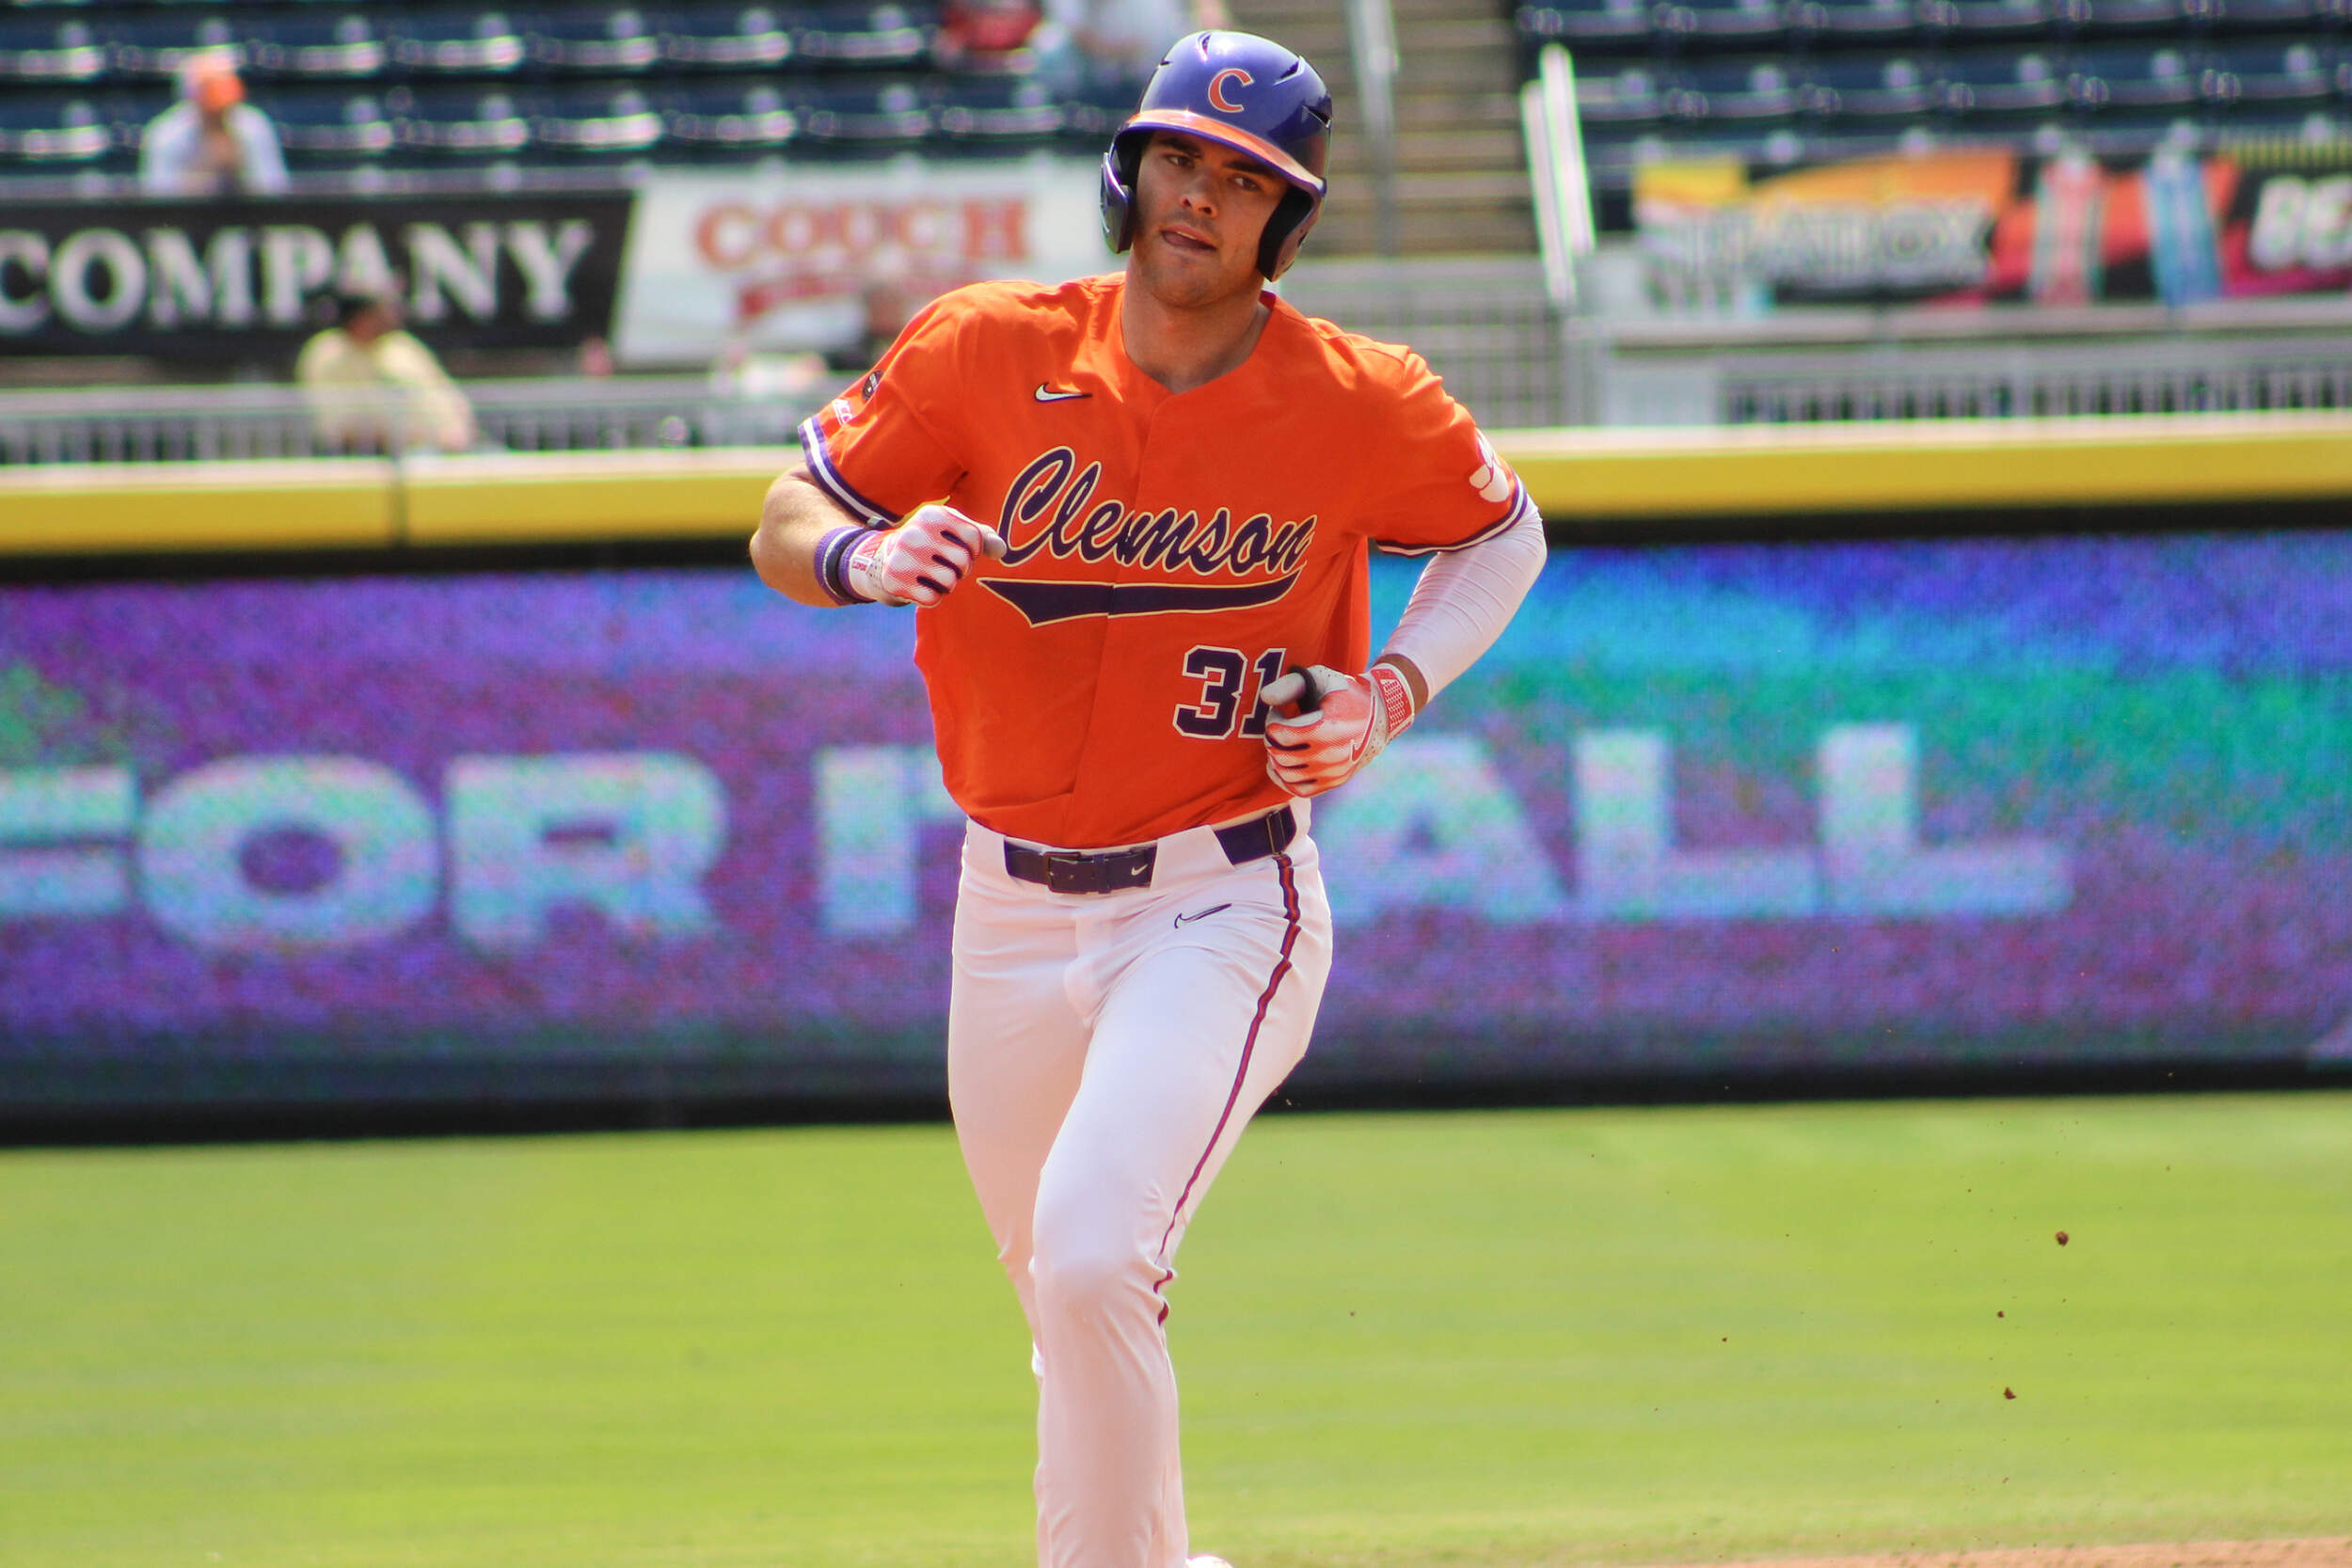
{"type": "Point", "coordinates": [1860, 805]}
{"type": "Point", "coordinates": [1579, 476]}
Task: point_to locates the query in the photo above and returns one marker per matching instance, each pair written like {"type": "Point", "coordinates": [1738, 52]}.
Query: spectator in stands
{"type": "Point", "coordinates": [212, 142]}
{"type": "Point", "coordinates": [986, 35]}
{"type": "Point", "coordinates": [373, 388]}
{"type": "Point", "coordinates": [1112, 46]}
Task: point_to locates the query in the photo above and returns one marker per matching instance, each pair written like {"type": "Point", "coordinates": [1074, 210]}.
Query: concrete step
{"type": "Point", "coordinates": [1455, 107]}
{"type": "Point", "coordinates": [1445, 190]}
{"type": "Point", "coordinates": [1458, 231]}
{"type": "Point", "coordinates": [1327, 40]}
{"type": "Point", "coordinates": [1433, 71]}
{"type": "Point", "coordinates": [1407, 12]}
{"type": "Point", "coordinates": [1479, 149]}
{"type": "Point", "coordinates": [1462, 184]}
{"type": "Point", "coordinates": [1322, 36]}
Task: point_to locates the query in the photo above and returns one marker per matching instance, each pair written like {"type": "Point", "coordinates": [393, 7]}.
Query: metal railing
{"type": "Point", "coordinates": [1487, 326]}
{"type": "Point", "coordinates": [159, 424]}
{"type": "Point", "coordinates": [1491, 329]}
{"type": "Point", "coordinates": [1371, 45]}
{"type": "Point", "coordinates": [1995, 383]}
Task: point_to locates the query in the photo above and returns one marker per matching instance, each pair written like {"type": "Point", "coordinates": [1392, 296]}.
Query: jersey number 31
{"type": "Point", "coordinates": [1221, 673]}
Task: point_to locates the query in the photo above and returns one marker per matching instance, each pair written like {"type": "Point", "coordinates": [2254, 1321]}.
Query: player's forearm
{"type": "Point", "coordinates": [795, 517]}
{"type": "Point", "coordinates": [1461, 604]}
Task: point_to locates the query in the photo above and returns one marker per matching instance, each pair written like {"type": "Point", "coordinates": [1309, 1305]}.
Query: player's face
{"type": "Point", "coordinates": [1200, 209]}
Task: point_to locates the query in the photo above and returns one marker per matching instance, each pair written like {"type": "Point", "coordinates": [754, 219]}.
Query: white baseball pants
{"type": "Point", "coordinates": [1104, 1052]}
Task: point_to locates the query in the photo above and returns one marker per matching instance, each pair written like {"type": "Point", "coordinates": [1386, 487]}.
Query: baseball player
{"type": "Point", "coordinates": [1132, 513]}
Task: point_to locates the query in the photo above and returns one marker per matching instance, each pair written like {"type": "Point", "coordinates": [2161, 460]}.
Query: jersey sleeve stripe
{"type": "Point", "coordinates": [1522, 506]}
{"type": "Point", "coordinates": [820, 468]}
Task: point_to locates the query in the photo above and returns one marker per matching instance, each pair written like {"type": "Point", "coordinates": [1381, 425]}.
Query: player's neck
{"type": "Point", "coordinates": [1182, 346]}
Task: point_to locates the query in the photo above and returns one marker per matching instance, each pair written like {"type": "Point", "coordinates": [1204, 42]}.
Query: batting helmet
{"type": "Point", "coordinates": [1250, 94]}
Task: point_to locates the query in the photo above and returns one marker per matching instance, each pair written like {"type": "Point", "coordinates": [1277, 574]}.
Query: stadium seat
{"type": "Point", "coordinates": [2282, 125]}
{"type": "Point", "coordinates": [2254, 71]}
{"type": "Point", "coordinates": [995, 108]}
{"type": "Point", "coordinates": [725, 119]}
{"type": "Point", "coordinates": [601, 40]}
{"type": "Point", "coordinates": [1584, 23]}
{"type": "Point", "coordinates": [47, 49]}
{"type": "Point", "coordinates": [726, 37]}
{"type": "Point", "coordinates": [322, 126]}
{"type": "Point", "coordinates": [2238, 16]}
{"type": "Point", "coordinates": [2136, 134]}
{"type": "Point", "coordinates": [1843, 21]}
{"type": "Point", "coordinates": [1628, 95]}
{"type": "Point", "coordinates": [2096, 17]}
{"type": "Point", "coordinates": [858, 34]}
{"type": "Point", "coordinates": [604, 120]}
{"type": "Point", "coordinates": [871, 115]}
{"type": "Point", "coordinates": [454, 44]}
{"type": "Point", "coordinates": [155, 45]}
{"type": "Point", "coordinates": [2134, 76]}
{"type": "Point", "coordinates": [319, 44]}
{"type": "Point", "coordinates": [1866, 87]}
{"type": "Point", "coordinates": [1615, 158]}
{"type": "Point", "coordinates": [1091, 113]}
{"type": "Point", "coordinates": [2000, 82]}
{"type": "Point", "coordinates": [54, 128]}
{"type": "Point", "coordinates": [1702, 23]}
{"type": "Point", "coordinates": [464, 122]}
{"type": "Point", "coordinates": [1743, 90]}
{"type": "Point", "coordinates": [1966, 21]}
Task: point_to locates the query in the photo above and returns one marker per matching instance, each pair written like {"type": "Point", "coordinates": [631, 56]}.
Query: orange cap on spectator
{"type": "Point", "coordinates": [215, 87]}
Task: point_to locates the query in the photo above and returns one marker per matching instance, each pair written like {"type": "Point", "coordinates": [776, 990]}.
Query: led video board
{"type": "Point", "coordinates": [659, 833]}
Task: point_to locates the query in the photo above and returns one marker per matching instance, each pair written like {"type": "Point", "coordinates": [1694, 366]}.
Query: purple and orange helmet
{"type": "Point", "coordinates": [1249, 94]}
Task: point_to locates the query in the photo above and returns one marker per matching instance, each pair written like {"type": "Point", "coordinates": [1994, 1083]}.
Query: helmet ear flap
{"type": "Point", "coordinates": [1285, 227]}
{"type": "Point", "coordinates": [1120, 165]}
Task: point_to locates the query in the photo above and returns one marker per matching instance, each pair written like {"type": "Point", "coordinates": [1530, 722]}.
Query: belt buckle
{"type": "Point", "coordinates": [1066, 871]}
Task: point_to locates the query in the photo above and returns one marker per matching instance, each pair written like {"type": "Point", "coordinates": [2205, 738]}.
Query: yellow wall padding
{"type": "Point", "coordinates": [111, 508]}
{"type": "Point", "coordinates": [1747, 471]}
{"type": "Point", "coordinates": [1960, 465]}
{"type": "Point", "coordinates": [551, 498]}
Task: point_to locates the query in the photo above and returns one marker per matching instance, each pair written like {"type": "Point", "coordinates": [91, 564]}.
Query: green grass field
{"type": "Point", "coordinates": [1554, 1336]}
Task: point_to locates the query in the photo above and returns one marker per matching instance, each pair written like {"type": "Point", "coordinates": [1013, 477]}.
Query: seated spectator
{"type": "Point", "coordinates": [212, 142]}
{"type": "Point", "coordinates": [373, 388]}
{"type": "Point", "coordinates": [986, 35]}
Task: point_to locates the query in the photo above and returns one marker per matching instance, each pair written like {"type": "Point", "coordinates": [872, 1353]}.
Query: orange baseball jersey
{"type": "Point", "coordinates": [1170, 553]}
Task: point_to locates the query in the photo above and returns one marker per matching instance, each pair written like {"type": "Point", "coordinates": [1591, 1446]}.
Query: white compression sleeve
{"type": "Point", "coordinates": [1464, 598]}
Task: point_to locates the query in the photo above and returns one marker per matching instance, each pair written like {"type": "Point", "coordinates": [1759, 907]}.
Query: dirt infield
{"type": "Point", "coordinates": [2328, 1552]}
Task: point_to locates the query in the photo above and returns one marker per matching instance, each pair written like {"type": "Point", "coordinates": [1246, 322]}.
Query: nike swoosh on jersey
{"type": "Point", "coordinates": [1204, 914]}
{"type": "Point", "coordinates": [1055, 395]}
{"type": "Point", "coordinates": [1044, 603]}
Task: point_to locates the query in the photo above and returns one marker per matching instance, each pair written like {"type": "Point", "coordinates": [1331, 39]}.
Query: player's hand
{"type": "Point", "coordinates": [921, 561]}
{"type": "Point", "coordinates": [1343, 723]}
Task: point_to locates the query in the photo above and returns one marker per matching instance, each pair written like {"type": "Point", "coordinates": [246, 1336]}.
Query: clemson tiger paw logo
{"type": "Point", "coordinates": [1491, 479]}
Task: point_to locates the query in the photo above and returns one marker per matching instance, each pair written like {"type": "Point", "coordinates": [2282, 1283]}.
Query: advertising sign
{"type": "Point", "coordinates": [816, 258]}
{"type": "Point", "coordinates": [243, 280]}
{"type": "Point", "coordinates": [1987, 226]}
{"type": "Point", "coordinates": [1965, 803]}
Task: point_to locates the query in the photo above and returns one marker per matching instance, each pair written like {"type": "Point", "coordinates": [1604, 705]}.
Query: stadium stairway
{"type": "Point", "coordinates": [1461, 183]}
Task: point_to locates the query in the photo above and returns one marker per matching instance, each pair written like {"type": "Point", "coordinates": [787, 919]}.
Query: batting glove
{"type": "Point", "coordinates": [1344, 722]}
{"type": "Point", "coordinates": [917, 563]}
